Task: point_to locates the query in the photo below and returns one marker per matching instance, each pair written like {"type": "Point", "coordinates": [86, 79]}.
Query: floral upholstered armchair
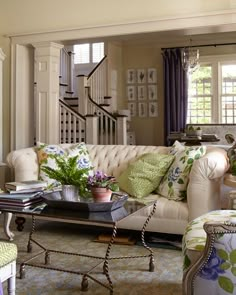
{"type": "Point", "coordinates": [214, 272]}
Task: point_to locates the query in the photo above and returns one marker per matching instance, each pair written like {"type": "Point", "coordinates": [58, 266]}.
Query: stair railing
{"type": "Point", "coordinates": [107, 123]}
{"type": "Point", "coordinates": [97, 81]}
{"type": "Point", "coordinates": [72, 124]}
{"type": "Point", "coordinates": [65, 61]}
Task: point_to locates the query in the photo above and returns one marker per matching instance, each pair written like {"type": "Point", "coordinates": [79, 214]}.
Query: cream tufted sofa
{"type": "Point", "coordinates": [203, 192]}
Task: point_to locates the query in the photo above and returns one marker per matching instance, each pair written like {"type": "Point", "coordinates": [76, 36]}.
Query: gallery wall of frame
{"type": "Point", "coordinates": [142, 92]}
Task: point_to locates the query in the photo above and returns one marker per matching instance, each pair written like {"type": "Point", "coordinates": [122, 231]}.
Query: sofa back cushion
{"type": "Point", "coordinates": [114, 159]}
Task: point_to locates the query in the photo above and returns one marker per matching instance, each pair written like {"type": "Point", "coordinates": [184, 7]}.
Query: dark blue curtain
{"type": "Point", "coordinates": [175, 92]}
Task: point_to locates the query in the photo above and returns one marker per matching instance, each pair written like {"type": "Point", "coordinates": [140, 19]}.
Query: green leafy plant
{"type": "Point", "coordinates": [68, 172]}
{"type": "Point", "coordinates": [191, 128]}
{"type": "Point", "coordinates": [231, 153]}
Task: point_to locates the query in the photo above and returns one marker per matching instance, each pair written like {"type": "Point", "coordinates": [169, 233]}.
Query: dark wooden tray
{"type": "Point", "coordinates": [54, 200]}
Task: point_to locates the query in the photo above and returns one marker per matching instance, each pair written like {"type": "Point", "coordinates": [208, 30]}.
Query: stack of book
{"type": "Point", "coordinates": [22, 187]}
{"type": "Point", "coordinates": [20, 200]}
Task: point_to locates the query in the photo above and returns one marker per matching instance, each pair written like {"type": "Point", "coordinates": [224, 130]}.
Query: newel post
{"type": "Point", "coordinates": [82, 94]}
{"type": "Point", "coordinates": [121, 129]}
{"type": "Point", "coordinates": [91, 129]}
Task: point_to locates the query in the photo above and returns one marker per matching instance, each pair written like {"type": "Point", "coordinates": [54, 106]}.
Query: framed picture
{"type": "Point", "coordinates": [152, 92]}
{"type": "Point", "coordinates": [141, 75]}
{"type": "Point", "coordinates": [132, 108]}
{"type": "Point", "coordinates": [142, 93]}
{"type": "Point", "coordinates": [131, 76]}
{"type": "Point", "coordinates": [142, 109]}
{"type": "Point", "coordinates": [152, 75]}
{"type": "Point", "coordinates": [152, 109]}
{"type": "Point", "coordinates": [131, 93]}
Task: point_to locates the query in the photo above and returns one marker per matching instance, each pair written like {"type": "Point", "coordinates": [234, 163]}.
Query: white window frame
{"type": "Point", "coordinates": [90, 53]}
{"type": "Point", "coordinates": [216, 61]}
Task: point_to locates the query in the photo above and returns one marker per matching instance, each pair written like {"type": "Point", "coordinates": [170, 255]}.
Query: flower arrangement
{"type": "Point", "coordinates": [100, 179]}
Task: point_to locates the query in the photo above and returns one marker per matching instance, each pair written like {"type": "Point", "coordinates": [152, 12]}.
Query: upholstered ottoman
{"type": "Point", "coordinates": [196, 252]}
{"type": "Point", "coordinates": [8, 255]}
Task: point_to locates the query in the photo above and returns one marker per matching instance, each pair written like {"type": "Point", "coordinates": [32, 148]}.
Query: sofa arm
{"type": "Point", "coordinates": [24, 162]}
{"type": "Point", "coordinates": [203, 192]}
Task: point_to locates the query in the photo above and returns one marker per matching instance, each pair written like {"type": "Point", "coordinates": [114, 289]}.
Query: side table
{"type": "Point", "coordinates": [230, 180]}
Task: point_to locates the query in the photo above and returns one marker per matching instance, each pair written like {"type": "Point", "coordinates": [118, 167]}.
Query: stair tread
{"type": "Point", "coordinates": [104, 104]}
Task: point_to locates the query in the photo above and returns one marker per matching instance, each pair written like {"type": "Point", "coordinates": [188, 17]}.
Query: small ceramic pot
{"type": "Point", "coordinates": [70, 193]}
{"type": "Point", "coordinates": [101, 194]}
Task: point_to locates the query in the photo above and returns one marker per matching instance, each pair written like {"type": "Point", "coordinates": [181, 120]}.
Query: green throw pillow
{"type": "Point", "coordinates": [174, 184]}
{"type": "Point", "coordinates": [144, 175]}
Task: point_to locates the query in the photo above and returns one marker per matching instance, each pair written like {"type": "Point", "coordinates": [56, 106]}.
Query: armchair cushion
{"type": "Point", "coordinates": [144, 175]}
{"type": "Point", "coordinates": [174, 184]}
{"type": "Point", "coordinates": [8, 253]}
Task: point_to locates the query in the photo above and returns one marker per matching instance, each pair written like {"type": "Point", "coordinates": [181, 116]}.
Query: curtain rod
{"type": "Point", "coordinates": [202, 45]}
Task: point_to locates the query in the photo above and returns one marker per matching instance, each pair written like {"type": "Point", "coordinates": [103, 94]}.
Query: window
{"type": "Point", "coordinates": [200, 96]}
{"type": "Point", "coordinates": [212, 91]}
{"type": "Point", "coordinates": [228, 94]}
{"type": "Point", "coordinates": [88, 53]}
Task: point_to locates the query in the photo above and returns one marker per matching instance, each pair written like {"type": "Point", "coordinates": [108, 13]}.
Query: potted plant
{"type": "Point", "coordinates": [193, 131]}
{"type": "Point", "coordinates": [231, 153]}
{"type": "Point", "coordinates": [101, 186]}
{"type": "Point", "coordinates": [72, 178]}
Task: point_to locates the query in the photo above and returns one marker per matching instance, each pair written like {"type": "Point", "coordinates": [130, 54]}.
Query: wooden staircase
{"type": "Point", "coordinates": [92, 104]}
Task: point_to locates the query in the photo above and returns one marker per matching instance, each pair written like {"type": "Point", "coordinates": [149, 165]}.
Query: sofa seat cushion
{"type": "Point", "coordinates": [169, 216]}
{"type": "Point", "coordinates": [194, 238]}
{"type": "Point", "coordinates": [8, 253]}
{"type": "Point", "coordinates": [144, 175]}
{"type": "Point", "coordinates": [165, 208]}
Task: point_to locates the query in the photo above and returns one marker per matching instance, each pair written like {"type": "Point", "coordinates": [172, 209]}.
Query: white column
{"type": "Point", "coordinates": [2, 57]}
{"type": "Point", "coordinates": [121, 130]}
{"type": "Point", "coordinates": [47, 56]}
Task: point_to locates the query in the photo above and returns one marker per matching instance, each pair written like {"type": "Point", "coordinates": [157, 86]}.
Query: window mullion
{"type": "Point", "coordinates": [216, 101]}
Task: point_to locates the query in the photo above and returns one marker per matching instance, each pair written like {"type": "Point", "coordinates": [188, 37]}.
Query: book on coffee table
{"type": "Point", "coordinates": [25, 185]}
{"type": "Point", "coordinates": [20, 199]}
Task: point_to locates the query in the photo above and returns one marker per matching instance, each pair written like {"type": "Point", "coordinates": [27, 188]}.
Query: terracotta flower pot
{"type": "Point", "coordinates": [101, 194]}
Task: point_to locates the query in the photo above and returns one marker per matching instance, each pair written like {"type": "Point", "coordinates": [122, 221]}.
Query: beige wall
{"type": "Point", "coordinates": [27, 16]}
{"type": "Point", "coordinates": [115, 70]}
{"type": "Point", "coordinates": [148, 131]}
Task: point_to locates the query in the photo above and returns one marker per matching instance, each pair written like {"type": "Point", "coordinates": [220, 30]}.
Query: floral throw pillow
{"type": "Point", "coordinates": [44, 150]}
{"type": "Point", "coordinates": [174, 184]}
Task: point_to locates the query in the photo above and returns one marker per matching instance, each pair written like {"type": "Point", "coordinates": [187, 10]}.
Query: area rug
{"type": "Point", "coordinates": [129, 276]}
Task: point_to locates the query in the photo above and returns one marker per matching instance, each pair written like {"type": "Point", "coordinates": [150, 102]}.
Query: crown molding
{"type": "Point", "coordinates": [212, 21]}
